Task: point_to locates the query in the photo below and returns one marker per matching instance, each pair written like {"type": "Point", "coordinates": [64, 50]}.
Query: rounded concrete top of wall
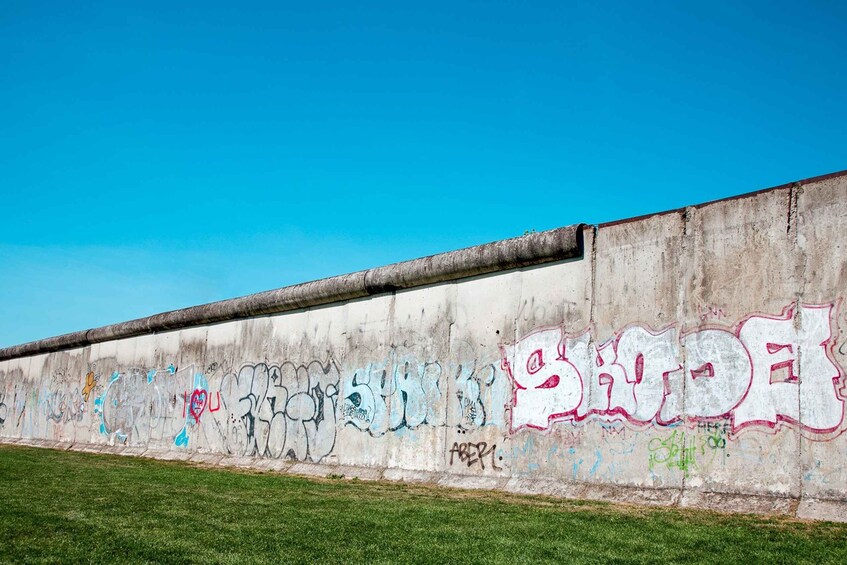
{"type": "Point", "coordinates": [531, 249]}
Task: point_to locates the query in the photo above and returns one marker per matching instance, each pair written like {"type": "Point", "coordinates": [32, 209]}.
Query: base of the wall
{"type": "Point", "coordinates": [801, 508]}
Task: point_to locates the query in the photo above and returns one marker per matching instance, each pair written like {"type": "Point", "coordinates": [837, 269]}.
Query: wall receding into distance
{"type": "Point", "coordinates": [691, 357]}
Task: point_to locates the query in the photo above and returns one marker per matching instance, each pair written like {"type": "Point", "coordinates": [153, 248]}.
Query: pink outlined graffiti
{"type": "Point", "coordinates": [749, 374]}
{"type": "Point", "coordinates": [198, 403]}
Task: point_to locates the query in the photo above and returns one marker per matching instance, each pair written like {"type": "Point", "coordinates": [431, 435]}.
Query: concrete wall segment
{"type": "Point", "coordinates": [553, 302]}
{"type": "Point", "coordinates": [637, 271]}
{"type": "Point", "coordinates": [740, 262]}
{"type": "Point", "coordinates": [822, 238]}
{"type": "Point", "coordinates": [692, 357]}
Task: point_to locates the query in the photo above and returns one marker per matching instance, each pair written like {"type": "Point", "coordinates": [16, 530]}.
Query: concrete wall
{"type": "Point", "coordinates": [686, 358]}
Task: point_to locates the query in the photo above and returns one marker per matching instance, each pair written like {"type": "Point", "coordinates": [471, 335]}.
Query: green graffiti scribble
{"type": "Point", "coordinates": [686, 452]}
{"type": "Point", "coordinates": [674, 452]}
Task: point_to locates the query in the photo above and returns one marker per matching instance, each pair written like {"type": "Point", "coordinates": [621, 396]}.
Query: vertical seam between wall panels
{"type": "Point", "coordinates": [139, 367]}
{"type": "Point", "coordinates": [513, 341]}
{"type": "Point", "coordinates": [680, 314]}
{"type": "Point", "coordinates": [390, 354]}
{"type": "Point", "coordinates": [449, 380]}
{"type": "Point", "coordinates": [591, 332]}
{"type": "Point", "coordinates": [157, 362]}
{"type": "Point", "coordinates": [202, 369]}
{"type": "Point", "coordinates": [791, 232]}
{"type": "Point", "coordinates": [25, 413]}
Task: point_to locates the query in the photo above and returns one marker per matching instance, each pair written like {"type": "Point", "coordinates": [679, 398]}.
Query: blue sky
{"type": "Point", "coordinates": [160, 155]}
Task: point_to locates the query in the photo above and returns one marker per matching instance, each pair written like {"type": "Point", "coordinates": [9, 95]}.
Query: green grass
{"type": "Point", "coordinates": [69, 507]}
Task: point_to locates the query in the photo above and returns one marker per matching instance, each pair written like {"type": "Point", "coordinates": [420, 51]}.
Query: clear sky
{"type": "Point", "coordinates": [157, 155]}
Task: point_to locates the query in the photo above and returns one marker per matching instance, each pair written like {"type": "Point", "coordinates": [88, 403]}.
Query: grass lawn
{"type": "Point", "coordinates": [72, 507]}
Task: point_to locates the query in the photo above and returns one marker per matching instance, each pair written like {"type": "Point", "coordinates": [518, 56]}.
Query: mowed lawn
{"type": "Point", "coordinates": [79, 507]}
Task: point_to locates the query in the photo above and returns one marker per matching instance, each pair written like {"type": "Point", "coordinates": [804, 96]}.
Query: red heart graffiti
{"type": "Point", "coordinates": [198, 404]}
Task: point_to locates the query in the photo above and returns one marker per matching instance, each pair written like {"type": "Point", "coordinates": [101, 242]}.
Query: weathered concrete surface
{"type": "Point", "coordinates": [689, 358]}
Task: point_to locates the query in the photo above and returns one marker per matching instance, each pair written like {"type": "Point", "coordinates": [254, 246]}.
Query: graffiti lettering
{"type": "Point", "coordinates": [283, 410]}
{"type": "Point", "coordinates": [474, 453]}
{"type": "Point", "coordinates": [134, 403]}
{"type": "Point", "coordinates": [61, 406]}
{"type": "Point", "coordinates": [673, 452]}
{"type": "Point", "coordinates": [750, 376]}
{"type": "Point", "coordinates": [401, 392]}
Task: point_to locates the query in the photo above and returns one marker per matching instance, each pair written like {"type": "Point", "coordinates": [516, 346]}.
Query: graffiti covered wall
{"type": "Point", "coordinates": [694, 357]}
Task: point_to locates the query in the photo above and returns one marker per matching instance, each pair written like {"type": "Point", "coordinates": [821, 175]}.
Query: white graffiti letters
{"type": "Point", "coordinates": [780, 354]}
{"type": "Point", "coordinates": [550, 387]}
{"type": "Point", "coordinates": [752, 376]}
{"type": "Point", "coordinates": [718, 369]}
